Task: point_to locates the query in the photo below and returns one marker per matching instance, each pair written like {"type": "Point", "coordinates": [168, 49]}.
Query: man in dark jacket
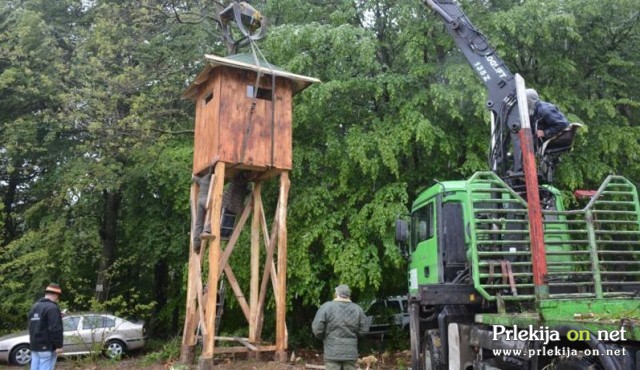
{"type": "Point", "coordinates": [545, 117]}
{"type": "Point", "coordinates": [546, 122]}
{"type": "Point", "coordinates": [45, 329]}
{"type": "Point", "coordinates": [339, 323]}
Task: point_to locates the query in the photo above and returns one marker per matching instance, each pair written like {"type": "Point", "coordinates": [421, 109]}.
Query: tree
{"type": "Point", "coordinates": [35, 57]}
{"type": "Point", "coordinates": [96, 146]}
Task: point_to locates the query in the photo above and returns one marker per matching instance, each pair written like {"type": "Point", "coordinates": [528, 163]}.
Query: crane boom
{"type": "Point", "coordinates": [500, 83]}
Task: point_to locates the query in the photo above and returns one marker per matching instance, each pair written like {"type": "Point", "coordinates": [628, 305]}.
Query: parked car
{"type": "Point", "coordinates": [83, 334]}
{"type": "Point", "coordinates": [388, 313]}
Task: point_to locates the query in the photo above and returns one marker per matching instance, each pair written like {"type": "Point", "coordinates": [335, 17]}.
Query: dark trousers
{"type": "Point", "coordinates": [340, 365]}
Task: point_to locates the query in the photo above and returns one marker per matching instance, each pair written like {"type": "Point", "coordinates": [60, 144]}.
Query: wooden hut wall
{"type": "Point", "coordinates": [207, 130]}
{"type": "Point", "coordinates": [221, 124]}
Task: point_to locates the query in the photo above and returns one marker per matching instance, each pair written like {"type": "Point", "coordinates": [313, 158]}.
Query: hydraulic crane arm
{"type": "Point", "coordinates": [503, 103]}
{"type": "Point", "coordinates": [492, 71]}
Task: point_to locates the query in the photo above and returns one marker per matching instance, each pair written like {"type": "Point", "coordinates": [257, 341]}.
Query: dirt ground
{"type": "Point", "coordinates": [383, 361]}
{"type": "Point", "coordinates": [238, 365]}
{"type": "Point", "coordinates": [377, 361]}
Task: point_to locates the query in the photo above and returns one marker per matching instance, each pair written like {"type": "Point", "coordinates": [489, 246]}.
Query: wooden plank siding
{"type": "Point", "coordinates": [207, 133]}
{"type": "Point", "coordinates": [226, 128]}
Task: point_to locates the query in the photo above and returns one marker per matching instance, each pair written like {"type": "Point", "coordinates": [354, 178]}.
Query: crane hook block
{"type": "Point", "coordinates": [250, 22]}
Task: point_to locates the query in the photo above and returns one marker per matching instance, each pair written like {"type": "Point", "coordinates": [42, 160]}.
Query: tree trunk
{"type": "Point", "coordinates": [9, 200]}
{"type": "Point", "coordinates": [160, 282]}
{"type": "Point", "coordinates": [108, 237]}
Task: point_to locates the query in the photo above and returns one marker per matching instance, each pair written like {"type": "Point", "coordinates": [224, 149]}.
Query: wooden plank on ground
{"type": "Point", "coordinates": [243, 341]}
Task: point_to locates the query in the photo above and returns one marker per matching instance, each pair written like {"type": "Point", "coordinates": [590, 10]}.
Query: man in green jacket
{"type": "Point", "coordinates": [339, 323]}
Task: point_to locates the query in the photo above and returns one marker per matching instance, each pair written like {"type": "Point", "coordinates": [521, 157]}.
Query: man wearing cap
{"type": "Point", "coordinates": [339, 323]}
{"type": "Point", "coordinates": [45, 329]}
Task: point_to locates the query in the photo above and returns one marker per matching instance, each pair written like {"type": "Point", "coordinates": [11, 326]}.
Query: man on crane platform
{"type": "Point", "coordinates": [545, 117]}
{"type": "Point", "coordinates": [546, 120]}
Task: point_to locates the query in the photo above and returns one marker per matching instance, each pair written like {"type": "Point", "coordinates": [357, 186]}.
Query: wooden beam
{"type": "Point", "coordinates": [254, 283]}
{"type": "Point", "coordinates": [232, 339]}
{"type": "Point", "coordinates": [244, 349]}
{"type": "Point", "coordinates": [274, 239]}
{"type": "Point", "coordinates": [245, 342]}
{"type": "Point", "coordinates": [270, 269]}
{"type": "Point", "coordinates": [281, 294]}
{"type": "Point", "coordinates": [267, 175]}
{"type": "Point", "coordinates": [238, 292]}
{"type": "Point", "coordinates": [269, 241]}
{"type": "Point", "coordinates": [217, 184]}
{"type": "Point", "coordinates": [187, 352]}
{"type": "Point", "coordinates": [199, 290]}
{"type": "Point", "coordinates": [234, 236]}
{"type": "Point", "coordinates": [208, 205]}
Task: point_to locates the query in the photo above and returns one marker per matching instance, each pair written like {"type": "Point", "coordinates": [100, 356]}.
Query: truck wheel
{"type": "Point", "coordinates": [577, 363]}
{"type": "Point", "coordinates": [432, 350]}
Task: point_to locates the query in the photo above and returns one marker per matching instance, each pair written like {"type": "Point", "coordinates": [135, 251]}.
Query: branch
{"type": "Point", "coordinates": [180, 17]}
{"type": "Point", "coordinates": [180, 132]}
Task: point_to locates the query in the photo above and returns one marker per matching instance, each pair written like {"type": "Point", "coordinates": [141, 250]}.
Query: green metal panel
{"type": "Point", "coordinates": [592, 252]}
{"type": "Point", "coordinates": [599, 316]}
{"type": "Point", "coordinates": [423, 264]}
{"type": "Point", "coordinates": [499, 239]}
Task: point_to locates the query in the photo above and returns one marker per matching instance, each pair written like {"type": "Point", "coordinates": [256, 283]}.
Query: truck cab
{"type": "Point", "coordinates": [470, 269]}
{"type": "Point", "coordinates": [450, 219]}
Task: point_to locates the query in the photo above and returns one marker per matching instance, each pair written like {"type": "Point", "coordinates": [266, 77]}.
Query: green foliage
{"type": "Point", "coordinates": [96, 144]}
{"type": "Point", "coordinates": [120, 307]}
{"type": "Point", "coordinates": [95, 359]}
{"type": "Point", "coordinates": [163, 352]}
{"type": "Point", "coordinates": [2, 217]}
{"type": "Point", "coordinates": [302, 338]}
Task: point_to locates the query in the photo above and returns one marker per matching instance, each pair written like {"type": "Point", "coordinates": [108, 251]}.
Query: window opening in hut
{"type": "Point", "coordinates": [208, 98]}
{"type": "Point", "coordinates": [263, 94]}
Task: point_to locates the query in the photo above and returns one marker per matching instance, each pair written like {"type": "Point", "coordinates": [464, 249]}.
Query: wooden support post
{"type": "Point", "coordinates": [281, 294]}
{"type": "Point", "coordinates": [254, 284]}
{"type": "Point", "coordinates": [203, 311]}
{"type": "Point", "coordinates": [269, 241]}
{"type": "Point", "coordinates": [215, 208]}
{"type": "Point", "coordinates": [270, 272]}
{"type": "Point", "coordinates": [187, 352]}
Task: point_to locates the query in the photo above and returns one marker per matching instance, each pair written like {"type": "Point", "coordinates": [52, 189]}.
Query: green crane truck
{"type": "Point", "coordinates": [500, 274]}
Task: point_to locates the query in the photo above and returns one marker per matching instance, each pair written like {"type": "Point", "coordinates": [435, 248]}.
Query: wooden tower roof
{"type": "Point", "coordinates": [246, 62]}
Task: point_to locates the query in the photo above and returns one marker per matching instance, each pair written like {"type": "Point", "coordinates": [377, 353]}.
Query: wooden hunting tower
{"type": "Point", "coordinates": [239, 118]}
{"type": "Point", "coordinates": [243, 127]}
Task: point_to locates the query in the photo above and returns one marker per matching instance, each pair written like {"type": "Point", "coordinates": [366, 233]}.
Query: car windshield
{"type": "Point", "coordinates": [394, 306]}
{"type": "Point", "coordinates": [376, 309]}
